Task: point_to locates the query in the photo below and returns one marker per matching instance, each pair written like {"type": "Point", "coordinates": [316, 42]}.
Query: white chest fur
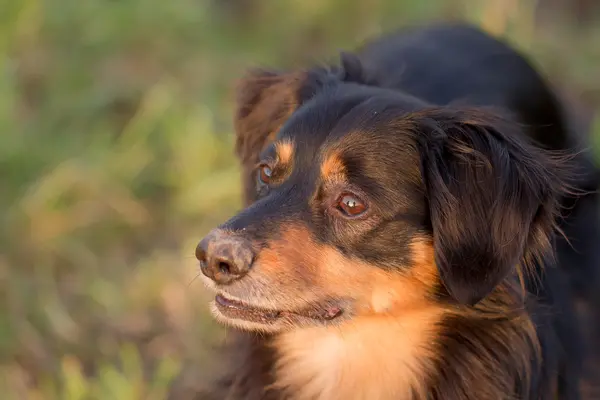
{"type": "Point", "coordinates": [381, 357]}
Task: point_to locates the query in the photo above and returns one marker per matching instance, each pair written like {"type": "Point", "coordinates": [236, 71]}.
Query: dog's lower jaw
{"type": "Point", "coordinates": [243, 325]}
{"type": "Point", "coordinates": [241, 315]}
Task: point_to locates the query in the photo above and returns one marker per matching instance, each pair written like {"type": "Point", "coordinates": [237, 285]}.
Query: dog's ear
{"type": "Point", "coordinates": [492, 198]}
{"type": "Point", "coordinates": [264, 100]}
{"type": "Point", "coordinates": [351, 68]}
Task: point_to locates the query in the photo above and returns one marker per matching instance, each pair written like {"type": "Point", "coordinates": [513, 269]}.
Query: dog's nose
{"type": "Point", "coordinates": [224, 257]}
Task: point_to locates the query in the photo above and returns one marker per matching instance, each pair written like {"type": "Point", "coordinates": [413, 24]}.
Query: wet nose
{"type": "Point", "coordinates": [224, 257]}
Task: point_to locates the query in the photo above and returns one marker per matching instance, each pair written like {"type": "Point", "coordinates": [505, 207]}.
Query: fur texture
{"type": "Point", "coordinates": [402, 217]}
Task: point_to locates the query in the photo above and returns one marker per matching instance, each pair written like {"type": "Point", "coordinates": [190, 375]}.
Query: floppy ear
{"type": "Point", "coordinates": [265, 99]}
{"type": "Point", "coordinates": [492, 198]}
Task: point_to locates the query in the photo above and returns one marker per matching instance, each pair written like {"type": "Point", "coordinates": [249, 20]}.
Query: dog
{"type": "Point", "coordinates": [418, 225]}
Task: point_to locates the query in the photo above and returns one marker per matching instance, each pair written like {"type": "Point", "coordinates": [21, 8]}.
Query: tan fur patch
{"type": "Point", "coordinates": [372, 357]}
{"type": "Point", "coordinates": [384, 351]}
{"type": "Point", "coordinates": [285, 151]}
{"type": "Point", "coordinates": [332, 167]}
{"type": "Point", "coordinates": [294, 271]}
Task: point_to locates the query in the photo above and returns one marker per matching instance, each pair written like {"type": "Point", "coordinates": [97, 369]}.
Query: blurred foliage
{"type": "Point", "coordinates": [116, 157]}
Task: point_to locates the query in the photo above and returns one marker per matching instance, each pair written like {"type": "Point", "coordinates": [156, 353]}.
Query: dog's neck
{"type": "Point", "coordinates": [414, 358]}
{"type": "Point", "coordinates": [377, 357]}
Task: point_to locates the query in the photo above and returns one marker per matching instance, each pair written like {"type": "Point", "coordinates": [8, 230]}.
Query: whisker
{"type": "Point", "coordinates": [194, 278]}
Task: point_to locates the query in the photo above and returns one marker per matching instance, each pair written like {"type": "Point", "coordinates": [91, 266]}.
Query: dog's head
{"type": "Point", "coordinates": [366, 202]}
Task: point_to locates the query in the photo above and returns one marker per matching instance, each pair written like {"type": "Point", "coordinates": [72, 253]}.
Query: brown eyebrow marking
{"type": "Point", "coordinates": [333, 166]}
{"type": "Point", "coordinates": [285, 151]}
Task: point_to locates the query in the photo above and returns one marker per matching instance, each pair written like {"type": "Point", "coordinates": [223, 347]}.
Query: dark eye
{"type": "Point", "coordinates": [351, 205]}
{"type": "Point", "coordinates": [264, 174]}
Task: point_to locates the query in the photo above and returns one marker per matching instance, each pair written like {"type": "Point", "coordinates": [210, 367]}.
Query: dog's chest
{"type": "Point", "coordinates": [370, 360]}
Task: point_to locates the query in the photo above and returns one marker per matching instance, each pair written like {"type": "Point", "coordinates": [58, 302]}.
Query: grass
{"type": "Point", "coordinates": [116, 157]}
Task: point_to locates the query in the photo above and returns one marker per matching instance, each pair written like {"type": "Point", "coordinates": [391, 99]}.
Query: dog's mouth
{"type": "Point", "coordinates": [238, 310]}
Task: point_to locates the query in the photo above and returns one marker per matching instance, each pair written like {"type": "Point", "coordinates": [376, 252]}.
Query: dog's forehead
{"type": "Point", "coordinates": [311, 125]}
{"type": "Point", "coordinates": [333, 113]}
{"type": "Point", "coordinates": [323, 124]}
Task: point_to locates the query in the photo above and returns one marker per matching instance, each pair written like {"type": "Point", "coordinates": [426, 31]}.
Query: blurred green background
{"type": "Point", "coordinates": [116, 157]}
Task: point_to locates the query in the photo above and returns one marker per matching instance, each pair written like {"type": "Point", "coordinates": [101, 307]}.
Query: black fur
{"type": "Point", "coordinates": [491, 199]}
{"type": "Point", "coordinates": [443, 130]}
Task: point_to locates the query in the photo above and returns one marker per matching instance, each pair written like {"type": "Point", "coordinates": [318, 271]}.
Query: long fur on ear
{"type": "Point", "coordinates": [265, 99]}
{"type": "Point", "coordinates": [493, 198]}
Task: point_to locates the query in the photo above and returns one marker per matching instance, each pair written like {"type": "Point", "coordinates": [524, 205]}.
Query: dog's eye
{"type": "Point", "coordinates": [264, 174]}
{"type": "Point", "coordinates": [351, 205]}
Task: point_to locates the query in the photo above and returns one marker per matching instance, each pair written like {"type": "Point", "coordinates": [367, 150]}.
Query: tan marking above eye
{"type": "Point", "coordinates": [332, 167]}
{"type": "Point", "coordinates": [285, 151]}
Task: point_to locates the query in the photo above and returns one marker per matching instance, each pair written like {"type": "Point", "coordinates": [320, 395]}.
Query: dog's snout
{"type": "Point", "coordinates": [224, 257]}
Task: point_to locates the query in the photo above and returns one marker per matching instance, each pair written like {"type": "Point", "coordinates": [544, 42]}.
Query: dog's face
{"type": "Point", "coordinates": [365, 202]}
